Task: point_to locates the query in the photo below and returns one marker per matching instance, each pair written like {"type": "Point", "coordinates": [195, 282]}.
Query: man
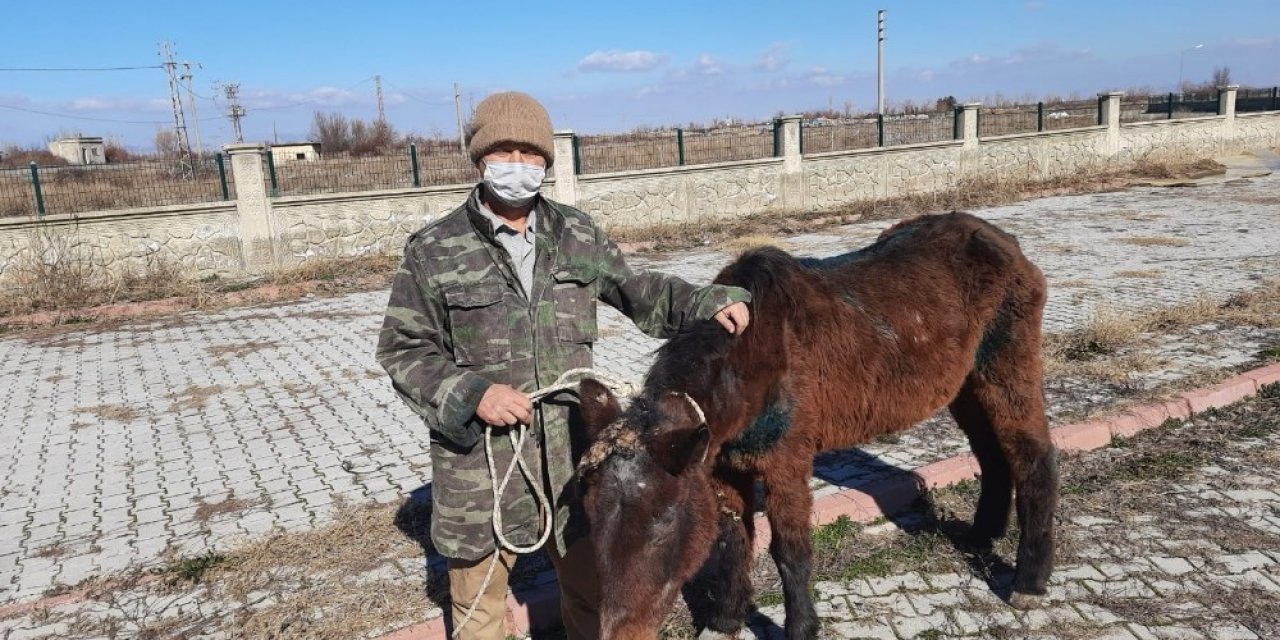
{"type": "Point", "coordinates": [493, 301]}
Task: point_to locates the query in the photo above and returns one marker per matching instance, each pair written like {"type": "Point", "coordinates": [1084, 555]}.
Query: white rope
{"type": "Point", "coordinates": [546, 520]}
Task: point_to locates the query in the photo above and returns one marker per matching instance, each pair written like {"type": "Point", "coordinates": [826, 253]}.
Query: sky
{"type": "Point", "coordinates": [597, 66]}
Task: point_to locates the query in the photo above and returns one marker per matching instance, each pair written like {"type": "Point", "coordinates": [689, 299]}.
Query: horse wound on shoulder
{"type": "Point", "coordinates": [765, 432]}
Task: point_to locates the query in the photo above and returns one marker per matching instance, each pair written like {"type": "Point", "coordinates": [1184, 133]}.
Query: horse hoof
{"type": "Point", "coordinates": [709, 634]}
{"type": "Point", "coordinates": [1026, 601]}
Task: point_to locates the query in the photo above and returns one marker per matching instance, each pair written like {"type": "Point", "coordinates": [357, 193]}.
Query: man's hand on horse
{"type": "Point", "coordinates": [734, 318]}
{"type": "Point", "coordinates": [503, 406]}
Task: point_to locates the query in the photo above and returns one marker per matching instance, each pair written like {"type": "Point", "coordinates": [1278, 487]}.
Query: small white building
{"type": "Point", "coordinates": [294, 151]}
{"type": "Point", "coordinates": [80, 150]}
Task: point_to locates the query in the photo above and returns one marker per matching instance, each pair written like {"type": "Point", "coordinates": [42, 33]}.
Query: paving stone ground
{"type": "Point", "coordinates": [1192, 556]}
{"type": "Point", "coordinates": [199, 431]}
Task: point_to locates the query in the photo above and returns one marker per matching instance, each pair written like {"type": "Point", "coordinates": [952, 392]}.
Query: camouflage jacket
{"type": "Point", "coordinates": [458, 321]}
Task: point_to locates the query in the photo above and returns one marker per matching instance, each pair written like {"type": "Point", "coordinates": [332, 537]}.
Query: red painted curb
{"type": "Point", "coordinates": [1266, 375]}
{"type": "Point", "coordinates": [1221, 394]}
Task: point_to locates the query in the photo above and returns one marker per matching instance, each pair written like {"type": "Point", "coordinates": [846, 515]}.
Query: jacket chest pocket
{"type": "Point", "coordinates": [478, 324]}
{"type": "Point", "coordinates": [575, 299]}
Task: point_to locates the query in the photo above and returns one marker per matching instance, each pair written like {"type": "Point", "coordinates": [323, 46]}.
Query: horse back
{"type": "Point", "coordinates": [894, 327]}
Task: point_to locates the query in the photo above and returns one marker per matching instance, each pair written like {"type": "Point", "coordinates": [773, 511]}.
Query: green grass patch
{"type": "Point", "coordinates": [830, 536]}
{"type": "Point", "coordinates": [1170, 465]}
{"type": "Point", "coordinates": [193, 569]}
{"type": "Point", "coordinates": [1270, 353]}
{"type": "Point", "coordinates": [909, 552]}
{"type": "Point", "coordinates": [770, 598]}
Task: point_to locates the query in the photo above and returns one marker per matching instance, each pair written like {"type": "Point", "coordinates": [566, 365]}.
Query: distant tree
{"type": "Point", "coordinates": [115, 152]}
{"type": "Point", "coordinates": [338, 134]}
{"type": "Point", "coordinates": [947, 103]}
{"type": "Point", "coordinates": [166, 142]}
{"type": "Point", "coordinates": [332, 131]}
{"type": "Point", "coordinates": [1221, 77]}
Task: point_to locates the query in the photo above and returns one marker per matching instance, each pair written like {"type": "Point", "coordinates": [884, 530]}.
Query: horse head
{"type": "Point", "coordinates": [648, 497]}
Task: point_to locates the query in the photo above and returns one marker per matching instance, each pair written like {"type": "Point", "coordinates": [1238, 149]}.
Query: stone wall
{"type": "Point", "coordinates": [355, 223]}
{"type": "Point", "coordinates": [258, 233]}
{"type": "Point", "coordinates": [202, 238]}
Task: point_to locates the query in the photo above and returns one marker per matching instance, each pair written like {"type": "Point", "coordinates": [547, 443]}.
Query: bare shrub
{"type": "Point", "coordinates": [22, 157]}
{"type": "Point", "coordinates": [60, 271]}
{"type": "Point", "coordinates": [56, 271]}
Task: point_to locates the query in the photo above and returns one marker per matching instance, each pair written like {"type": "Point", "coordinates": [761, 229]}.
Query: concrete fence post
{"type": "Point", "coordinates": [566, 190]}
{"type": "Point", "coordinates": [1227, 107]}
{"type": "Point", "coordinates": [792, 164]}
{"type": "Point", "coordinates": [1110, 105]}
{"type": "Point", "coordinates": [969, 124]}
{"type": "Point", "coordinates": [253, 207]}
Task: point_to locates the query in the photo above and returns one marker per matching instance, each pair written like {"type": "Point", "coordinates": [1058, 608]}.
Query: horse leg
{"type": "Point", "coordinates": [991, 518]}
{"type": "Point", "coordinates": [719, 595]}
{"type": "Point", "coordinates": [788, 503]}
{"type": "Point", "coordinates": [1011, 394]}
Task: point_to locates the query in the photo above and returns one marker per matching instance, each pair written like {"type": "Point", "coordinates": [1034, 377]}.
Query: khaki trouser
{"type": "Point", "coordinates": [579, 593]}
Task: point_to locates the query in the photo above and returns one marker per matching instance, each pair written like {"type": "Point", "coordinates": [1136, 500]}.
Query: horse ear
{"type": "Point", "coordinates": [675, 450]}
{"type": "Point", "coordinates": [599, 406]}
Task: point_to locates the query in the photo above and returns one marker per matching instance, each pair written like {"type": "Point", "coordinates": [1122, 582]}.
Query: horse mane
{"type": "Point", "coordinates": [695, 361]}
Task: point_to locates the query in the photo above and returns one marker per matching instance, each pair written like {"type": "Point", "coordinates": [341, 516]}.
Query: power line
{"type": "Point", "coordinates": [64, 115]}
{"type": "Point", "coordinates": [43, 69]}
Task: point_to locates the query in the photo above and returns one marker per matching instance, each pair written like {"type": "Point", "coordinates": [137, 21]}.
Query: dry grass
{"type": "Point", "coordinates": [970, 193]}
{"type": "Point", "coordinates": [1139, 273]}
{"type": "Point", "coordinates": [62, 273]}
{"type": "Point", "coordinates": [1154, 241]}
{"type": "Point", "coordinates": [742, 244]}
{"type": "Point", "coordinates": [207, 511]}
{"type": "Point", "coordinates": [337, 270]}
{"type": "Point", "coordinates": [1071, 284]}
{"type": "Point", "coordinates": [1105, 332]}
{"type": "Point", "coordinates": [1189, 170]}
{"type": "Point", "coordinates": [115, 412]}
{"type": "Point", "coordinates": [1107, 346]}
{"type": "Point", "coordinates": [195, 397]}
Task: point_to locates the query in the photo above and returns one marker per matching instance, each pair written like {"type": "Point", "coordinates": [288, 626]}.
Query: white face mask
{"type": "Point", "coordinates": [514, 183]}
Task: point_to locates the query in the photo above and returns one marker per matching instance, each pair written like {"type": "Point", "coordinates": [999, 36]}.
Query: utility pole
{"type": "Point", "coordinates": [191, 100]}
{"type": "Point", "coordinates": [457, 107]}
{"type": "Point", "coordinates": [382, 111]}
{"type": "Point", "coordinates": [880, 62]}
{"type": "Point", "coordinates": [179, 119]}
{"type": "Point", "coordinates": [234, 110]}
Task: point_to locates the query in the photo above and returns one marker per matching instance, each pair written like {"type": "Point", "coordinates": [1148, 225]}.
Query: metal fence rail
{"type": "Point", "coordinates": [41, 191]}
{"type": "Point", "coordinates": [726, 145]}
{"type": "Point", "coordinates": [1169, 106]}
{"type": "Point", "coordinates": [918, 128]}
{"type": "Point", "coordinates": [340, 173]}
{"type": "Point", "coordinates": [600, 154]}
{"type": "Point", "coordinates": [1003, 121]}
{"type": "Point", "coordinates": [1070, 115]}
{"type": "Point", "coordinates": [841, 135]}
{"type": "Point", "coordinates": [1258, 99]}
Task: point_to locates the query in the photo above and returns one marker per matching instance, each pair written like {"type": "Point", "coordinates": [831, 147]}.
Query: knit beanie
{"type": "Point", "coordinates": [510, 117]}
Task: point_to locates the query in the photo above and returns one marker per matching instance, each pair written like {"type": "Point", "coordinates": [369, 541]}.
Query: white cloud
{"type": "Point", "coordinates": [708, 66]}
{"type": "Point", "coordinates": [1034, 5]}
{"type": "Point", "coordinates": [616, 60]}
{"type": "Point", "coordinates": [774, 58]}
{"type": "Point", "coordinates": [822, 77]}
{"type": "Point", "coordinates": [926, 75]}
{"type": "Point", "coordinates": [107, 103]}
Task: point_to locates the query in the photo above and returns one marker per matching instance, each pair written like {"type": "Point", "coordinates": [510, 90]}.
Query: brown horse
{"type": "Point", "coordinates": [940, 311]}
